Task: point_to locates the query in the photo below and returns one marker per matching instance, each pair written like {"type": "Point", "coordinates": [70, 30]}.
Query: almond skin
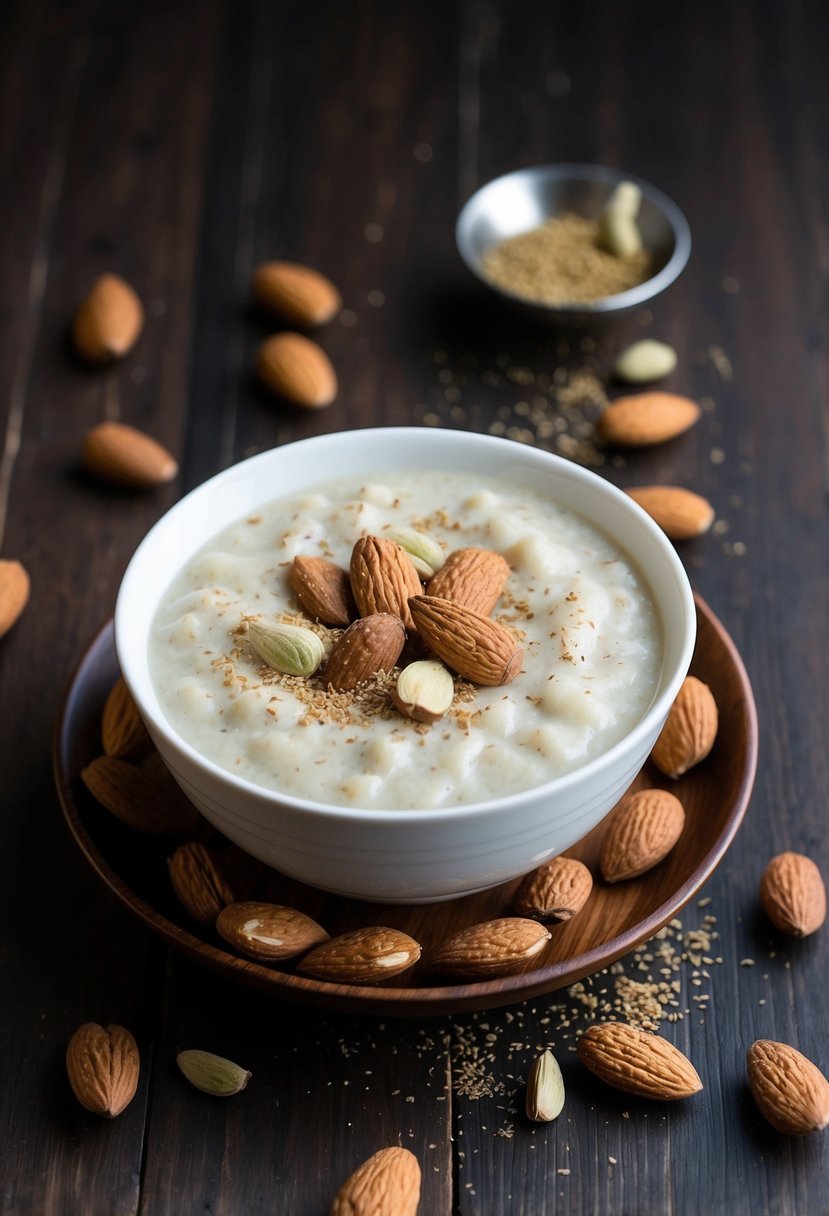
{"type": "Point", "coordinates": [793, 895]}
{"type": "Point", "coordinates": [140, 799]}
{"type": "Point", "coordinates": [109, 321]}
{"type": "Point", "coordinates": [364, 956]}
{"type": "Point", "coordinates": [638, 1063]}
{"type": "Point", "coordinates": [791, 1092]}
{"type": "Point", "coordinates": [644, 828]}
{"type": "Point", "coordinates": [123, 456]}
{"type": "Point", "coordinates": [299, 295]}
{"type": "Point", "coordinates": [14, 593]}
{"type": "Point", "coordinates": [103, 1067]}
{"type": "Point", "coordinates": [388, 1184]}
{"type": "Point", "coordinates": [680, 513]}
{"type": "Point", "coordinates": [370, 645]}
{"type": "Point", "coordinates": [122, 731]}
{"type": "Point", "coordinates": [473, 578]}
{"type": "Point", "coordinates": [323, 591]}
{"type": "Point", "coordinates": [383, 578]}
{"type": "Point", "coordinates": [199, 882]}
{"type": "Point", "coordinates": [268, 932]}
{"type": "Point", "coordinates": [492, 948]}
{"type": "Point", "coordinates": [647, 418]}
{"type": "Point", "coordinates": [555, 891]}
{"type": "Point", "coordinates": [297, 369]}
{"type": "Point", "coordinates": [689, 731]}
{"type": "Point", "coordinates": [477, 648]}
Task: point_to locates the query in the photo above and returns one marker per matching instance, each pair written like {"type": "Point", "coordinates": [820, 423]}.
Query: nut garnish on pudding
{"type": "Point", "coordinates": [538, 639]}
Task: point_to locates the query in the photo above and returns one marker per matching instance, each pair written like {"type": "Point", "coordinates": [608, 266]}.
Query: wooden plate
{"type": "Point", "coordinates": [614, 920]}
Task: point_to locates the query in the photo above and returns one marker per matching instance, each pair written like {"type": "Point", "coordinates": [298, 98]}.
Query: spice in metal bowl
{"type": "Point", "coordinates": [561, 262]}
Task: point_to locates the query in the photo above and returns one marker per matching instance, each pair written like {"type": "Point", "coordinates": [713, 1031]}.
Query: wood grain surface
{"type": "Point", "coordinates": [180, 144]}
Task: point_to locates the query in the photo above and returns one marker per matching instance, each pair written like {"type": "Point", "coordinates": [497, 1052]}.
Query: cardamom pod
{"type": "Point", "coordinates": [425, 554]}
{"type": "Point", "coordinates": [545, 1089]}
{"type": "Point", "coordinates": [291, 649]}
{"type": "Point", "coordinates": [212, 1074]}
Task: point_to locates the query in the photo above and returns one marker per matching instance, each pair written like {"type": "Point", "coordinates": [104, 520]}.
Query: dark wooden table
{"type": "Point", "coordinates": [180, 144]}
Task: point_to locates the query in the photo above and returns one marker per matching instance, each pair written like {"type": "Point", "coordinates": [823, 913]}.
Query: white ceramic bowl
{"type": "Point", "coordinates": [401, 856]}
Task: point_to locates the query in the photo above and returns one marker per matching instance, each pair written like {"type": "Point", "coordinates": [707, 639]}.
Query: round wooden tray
{"type": "Point", "coordinates": [614, 920]}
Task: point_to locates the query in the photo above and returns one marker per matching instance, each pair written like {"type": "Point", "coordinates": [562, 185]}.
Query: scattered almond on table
{"type": "Point", "coordinates": [297, 369]}
{"type": "Point", "coordinates": [103, 1066]}
{"type": "Point", "coordinates": [14, 593]}
{"type": "Point", "coordinates": [791, 1092]}
{"type": "Point", "coordinates": [793, 894]}
{"type": "Point", "coordinates": [644, 419]}
{"type": "Point", "coordinates": [680, 513]}
{"type": "Point", "coordinates": [109, 321]}
{"type": "Point", "coordinates": [299, 295]}
{"type": "Point", "coordinates": [638, 1062]}
{"type": "Point", "coordinates": [387, 1184]}
{"type": "Point", "coordinates": [124, 456]}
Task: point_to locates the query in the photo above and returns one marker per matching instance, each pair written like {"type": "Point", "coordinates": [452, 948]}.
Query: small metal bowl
{"type": "Point", "coordinates": [526, 198]}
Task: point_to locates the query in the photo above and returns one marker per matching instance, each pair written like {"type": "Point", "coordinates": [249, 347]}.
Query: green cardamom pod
{"type": "Point", "coordinates": [291, 649]}
{"type": "Point", "coordinates": [425, 554]}
{"type": "Point", "coordinates": [545, 1089]}
{"type": "Point", "coordinates": [212, 1074]}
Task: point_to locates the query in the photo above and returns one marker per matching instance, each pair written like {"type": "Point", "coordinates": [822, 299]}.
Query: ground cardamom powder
{"type": "Point", "coordinates": [561, 263]}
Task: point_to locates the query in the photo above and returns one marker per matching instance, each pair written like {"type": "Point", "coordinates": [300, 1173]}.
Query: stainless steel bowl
{"type": "Point", "coordinates": [526, 198]}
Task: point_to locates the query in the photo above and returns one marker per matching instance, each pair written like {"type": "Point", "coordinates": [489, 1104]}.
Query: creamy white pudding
{"type": "Point", "coordinates": [593, 650]}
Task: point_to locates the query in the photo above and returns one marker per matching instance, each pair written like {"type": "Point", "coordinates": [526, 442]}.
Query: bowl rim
{"type": "Point", "coordinates": [634, 296]}
{"type": "Point", "coordinates": [485, 808]}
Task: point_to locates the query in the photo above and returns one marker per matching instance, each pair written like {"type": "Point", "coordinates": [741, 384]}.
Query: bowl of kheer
{"type": "Point", "coordinates": [505, 634]}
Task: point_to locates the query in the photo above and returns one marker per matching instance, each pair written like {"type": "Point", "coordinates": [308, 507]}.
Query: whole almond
{"type": "Point", "coordinates": [298, 294]}
{"type": "Point", "coordinates": [139, 798]}
{"type": "Point", "coordinates": [388, 1184]}
{"type": "Point", "coordinates": [370, 645]}
{"type": "Point", "coordinates": [477, 648]}
{"type": "Point", "coordinates": [793, 895]}
{"type": "Point", "coordinates": [638, 1063]}
{"type": "Point", "coordinates": [268, 932]}
{"type": "Point", "coordinates": [199, 882]}
{"type": "Point", "coordinates": [103, 1067]}
{"type": "Point", "coordinates": [492, 948]}
{"type": "Point", "coordinates": [791, 1092]}
{"type": "Point", "coordinates": [14, 593]}
{"type": "Point", "coordinates": [122, 731]}
{"type": "Point", "coordinates": [689, 731]}
{"type": "Point", "coordinates": [680, 513]}
{"type": "Point", "coordinates": [555, 891]}
{"type": "Point", "coordinates": [647, 418]}
{"type": "Point", "coordinates": [363, 956]}
{"type": "Point", "coordinates": [473, 578]}
{"type": "Point", "coordinates": [644, 828]}
{"type": "Point", "coordinates": [323, 590]}
{"type": "Point", "coordinates": [109, 321]}
{"type": "Point", "coordinates": [383, 578]}
{"type": "Point", "coordinates": [124, 456]}
{"type": "Point", "coordinates": [297, 369]}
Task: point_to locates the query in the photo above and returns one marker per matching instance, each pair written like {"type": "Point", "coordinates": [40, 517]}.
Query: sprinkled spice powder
{"type": "Point", "coordinates": [561, 263]}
